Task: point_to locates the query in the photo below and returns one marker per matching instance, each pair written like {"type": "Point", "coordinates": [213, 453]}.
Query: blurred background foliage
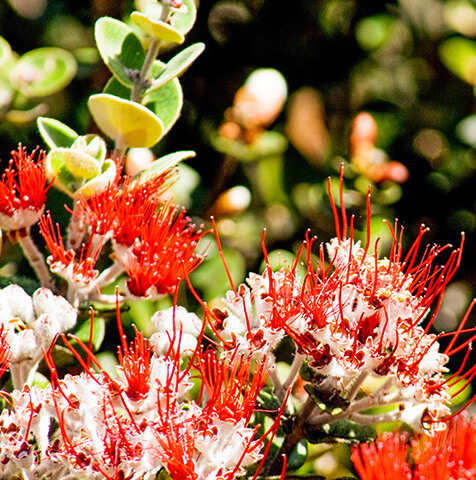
{"type": "Point", "coordinates": [411, 65]}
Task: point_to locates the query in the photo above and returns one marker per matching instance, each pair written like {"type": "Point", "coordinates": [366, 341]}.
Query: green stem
{"type": "Point", "coordinates": [141, 84]}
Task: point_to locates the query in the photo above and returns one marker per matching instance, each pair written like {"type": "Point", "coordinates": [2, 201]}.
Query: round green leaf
{"type": "Point", "coordinates": [458, 54]}
{"type": "Point", "coordinates": [184, 19]}
{"type": "Point", "coordinates": [177, 65]}
{"type": "Point", "coordinates": [115, 87]}
{"type": "Point", "coordinates": [120, 48]}
{"type": "Point", "coordinates": [92, 145]}
{"type": "Point", "coordinates": [44, 71]}
{"type": "Point", "coordinates": [157, 29]}
{"type": "Point", "coordinates": [80, 164]}
{"type": "Point", "coordinates": [55, 133]}
{"type": "Point", "coordinates": [5, 52]}
{"type": "Point", "coordinates": [167, 103]}
{"type": "Point", "coordinates": [125, 121]}
{"type": "Point", "coordinates": [99, 183]}
{"type": "Point", "coordinates": [56, 170]}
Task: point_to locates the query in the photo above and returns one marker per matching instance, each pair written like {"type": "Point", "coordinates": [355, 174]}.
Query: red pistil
{"type": "Point", "coordinates": [231, 391]}
{"type": "Point", "coordinates": [164, 253]}
{"type": "Point", "coordinates": [135, 364]}
{"type": "Point", "coordinates": [82, 270]}
{"type": "Point", "coordinates": [23, 184]}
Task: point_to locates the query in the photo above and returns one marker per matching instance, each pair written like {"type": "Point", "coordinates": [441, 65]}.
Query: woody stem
{"type": "Point", "coordinates": [35, 258]}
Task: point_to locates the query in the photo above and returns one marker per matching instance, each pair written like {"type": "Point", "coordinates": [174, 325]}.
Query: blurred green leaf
{"type": "Point", "coordinates": [298, 456]}
{"type": "Point", "coordinates": [44, 71]}
{"type": "Point", "coordinates": [98, 332]}
{"type": "Point", "coordinates": [5, 52]}
{"type": "Point", "coordinates": [458, 54]}
{"type": "Point", "coordinates": [466, 130]}
{"type": "Point", "coordinates": [374, 31]}
{"type": "Point", "coordinates": [211, 276]}
{"type": "Point", "coordinates": [268, 144]}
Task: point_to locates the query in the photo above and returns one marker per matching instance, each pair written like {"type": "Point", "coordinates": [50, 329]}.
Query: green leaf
{"type": "Point", "coordinates": [120, 49]}
{"type": "Point", "coordinates": [268, 144]}
{"type": "Point", "coordinates": [266, 400]}
{"type": "Point", "coordinates": [5, 52]}
{"type": "Point", "coordinates": [458, 54]}
{"type": "Point", "coordinates": [79, 164]}
{"type": "Point", "coordinates": [44, 71]}
{"type": "Point", "coordinates": [100, 182]}
{"type": "Point", "coordinates": [342, 431]}
{"type": "Point", "coordinates": [99, 331]}
{"type": "Point", "coordinates": [157, 29]}
{"type": "Point", "coordinates": [161, 165]}
{"type": "Point", "coordinates": [166, 102]}
{"type": "Point", "coordinates": [298, 456]}
{"type": "Point", "coordinates": [183, 20]}
{"type": "Point", "coordinates": [328, 401]}
{"type": "Point", "coordinates": [177, 65]}
{"type": "Point", "coordinates": [55, 133]}
{"type": "Point", "coordinates": [116, 88]}
{"type": "Point", "coordinates": [125, 121]}
{"type": "Point", "coordinates": [92, 145]}
{"type": "Point", "coordinates": [163, 475]}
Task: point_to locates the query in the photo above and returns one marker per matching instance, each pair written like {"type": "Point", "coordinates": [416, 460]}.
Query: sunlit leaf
{"type": "Point", "coordinates": [157, 29]}
{"type": "Point", "coordinates": [125, 121]}
{"type": "Point", "coordinates": [100, 182]}
{"type": "Point", "coordinates": [80, 164]}
{"type": "Point", "coordinates": [183, 21]}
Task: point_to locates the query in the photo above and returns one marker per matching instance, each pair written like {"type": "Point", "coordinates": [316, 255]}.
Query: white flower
{"type": "Point", "coordinates": [178, 326]}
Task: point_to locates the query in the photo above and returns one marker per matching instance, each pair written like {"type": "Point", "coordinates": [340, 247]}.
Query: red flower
{"type": "Point", "coordinates": [231, 391]}
{"type": "Point", "coordinates": [447, 455]}
{"type": "Point", "coordinates": [65, 262]}
{"type": "Point", "coordinates": [23, 188]}
{"type": "Point", "coordinates": [164, 253]}
{"type": "Point", "coordinates": [135, 364]}
{"type": "Point", "coordinates": [383, 460]}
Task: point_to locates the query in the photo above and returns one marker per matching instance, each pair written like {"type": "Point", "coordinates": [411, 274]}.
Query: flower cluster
{"type": "Point", "coordinates": [135, 423]}
{"type": "Point", "coordinates": [445, 456]}
{"type": "Point", "coordinates": [29, 326]}
{"type": "Point", "coordinates": [354, 318]}
{"type": "Point", "coordinates": [359, 325]}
